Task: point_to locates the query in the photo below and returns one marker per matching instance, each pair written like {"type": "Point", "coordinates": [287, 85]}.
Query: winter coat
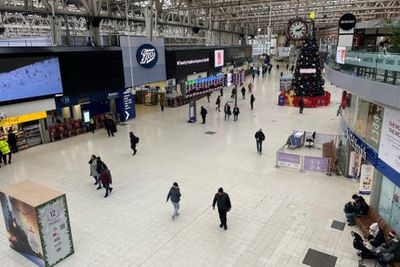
{"type": "Point", "coordinates": [223, 201]}
{"type": "Point", "coordinates": [392, 246]}
{"type": "Point", "coordinates": [175, 194]}
{"type": "Point", "coordinates": [100, 166]}
{"type": "Point", "coordinates": [361, 206]}
{"type": "Point", "coordinates": [93, 168]}
{"type": "Point", "coordinates": [218, 101]}
{"type": "Point", "coordinates": [252, 99]}
{"type": "Point", "coordinates": [133, 139]}
{"type": "Point", "coordinates": [227, 109]}
{"type": "Point", "coordinates": [236, 111]}
{"type": "Point", "coordinates": [105, 177]}
{"type": "Point", "coordinates": [259, 136]}
{"type": "Point", "coordinates": [203, 112]}
{"type": "Point", "coordinates": [378, 240]}
{"type": "Point", "coordinates": [243, 90]}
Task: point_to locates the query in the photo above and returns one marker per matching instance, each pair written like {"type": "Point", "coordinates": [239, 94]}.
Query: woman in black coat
{"type": "Point", "coordinates": [134, 140]}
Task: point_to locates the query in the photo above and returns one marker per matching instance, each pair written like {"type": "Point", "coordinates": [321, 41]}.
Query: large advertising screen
{"type": "Point", "coordinates": [389, 148]}
{"type": "Point", "coordinates": [29, 77]}
{"type": "Point", "coordinates": [190, 61]}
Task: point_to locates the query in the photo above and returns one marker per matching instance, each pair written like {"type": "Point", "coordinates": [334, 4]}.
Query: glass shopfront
{"type": "Point", "coordinates": [389, 203]}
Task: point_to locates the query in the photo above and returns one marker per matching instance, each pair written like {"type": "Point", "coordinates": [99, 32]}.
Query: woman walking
{"type": "Point", "coordinates": [106, 180]}
{"type": "Point", "coordinates": [134, 140]}
{"type": "Point", "coordinates": [175, 195]}
{"type": "Point", "coordinates": [93, 168]}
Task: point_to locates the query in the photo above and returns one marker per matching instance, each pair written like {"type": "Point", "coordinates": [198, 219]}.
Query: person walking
{"type": "Point", "coordinates": [100, 166]}
{"type": "Point", "coordinates": [287, 67]}
{"type": "Point", "coordinates": [218, 103]}
{"type": "Point", "coordinates": [109, 125]}
{"type": "Point", "coordinates": [227, 110]}
{"type": "Point", "coordinates": [162, 102]}
{"type": "Point", "coordinates": [252, 99]}
{"type": "Point", "coordinates": [221, 91]}
{"type": "Point", "coordinates": [203, 113]}
{"type": "Point", "coordinates": [292, 69]}
{"type": "Point", "coordinates": [260, 137]}
{"type": "Point", "coordinates": [277, 66]}
{"type": "Point", "coordinates": [253, 75]}
{"type": "Point", "coordinates": [106, 180]}
{"type": "Point", "coordinates": [233, 93]}
{"type": "Point", "coordinates": [243, 92]}
{"type": "Point", "coordinates": [269, 69]}
{"type": "Point", "coordinates": [208, 97]}
{"type": "Point", "coordinates": [5, 150]}
{"type": "Point", "coordinates": [12, 141]}
{"type": "Point", "coordinates": [134, 141]}
{"type": "Point", "coordinates": [92, 125]}
{"type": "Point", "coordinates": [175, 195]}
{"type": "Point", "coordinates": [93, 168]}
{"type": "Point", "coordinates": [235, 113]}
{"type": "Point", "coordinates": [301, 105]}
{"type": "Point", "coordinates": [224, 205]}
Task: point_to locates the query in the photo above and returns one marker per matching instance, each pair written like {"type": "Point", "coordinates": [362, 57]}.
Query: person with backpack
{"type": "Point", "coordinates": [350, 212]}
{"type": "Point", "coordinates": [252, 99]}
{"type": "Point", "coordinates": [235, 113]}
{"type": "Point", "coordinates": [223, 202]}
{"type": "Point", "coordinates": [175, 195]}
{"type": "Point", "coordinates": [203, 113]}
{"type": "Point", "coordinates": [134, 141]}
{"type": "Point", "coordinates": [227, 110]}
{"type": "Point", "coordinates": [218, 103]}
{"type": "Point", "coordinates": [260, 137]}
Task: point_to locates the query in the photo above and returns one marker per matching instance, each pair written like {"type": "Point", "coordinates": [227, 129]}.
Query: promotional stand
{"type": "Point", "coordinates": [37, 222]}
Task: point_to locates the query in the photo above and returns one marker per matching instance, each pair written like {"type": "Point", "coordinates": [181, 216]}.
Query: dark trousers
{"type": "Point", "coordinates": [92, 127]}
{"type": "Point", "coordinates": [14, 148]}
{"type": "Point", "coordinates": [204, 119]}
{"type": "Point", "coordinates": [162, 107]}
{"type": "Point", "coordinates": [259, 146]}
{"type": "Point", "coordinates": [242, 96]}
{"type": "Point", "coordinates": [301, 110]}
{"type": "Point", "coordinates": [251, 104]}
{"type": "Point", "coordinates": [5, 158]}
{"type": "Point", "coordinates": [133, 146]}
{"type": "Point", "coordinates": [235, 117]}
{"type": "Point", "coordinates": [110, 132]}
{"type": "Point", "coordinates": [227, 115]}
{"type": "Point", "coordinates": [107, 188]}
{"type": "Point", "coordinates": [222, 216]}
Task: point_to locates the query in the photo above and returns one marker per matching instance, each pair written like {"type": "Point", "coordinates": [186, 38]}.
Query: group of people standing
{"type": "Point", "coordinates": [101, 174]}
{"type": "Point", "coordinates": [227, 108]}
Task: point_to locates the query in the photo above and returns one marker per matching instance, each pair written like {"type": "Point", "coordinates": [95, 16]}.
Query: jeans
{"type": "Point", "coordinates": [235, 117]}
{"type": "Point", "coordinates": [259, 146]}
{"type": "Point", "coordinates": [350, 217]}
{"type": "Point", "coordinates": [176, 208]}
{"type": "Point", "coordinates": [110, 132]}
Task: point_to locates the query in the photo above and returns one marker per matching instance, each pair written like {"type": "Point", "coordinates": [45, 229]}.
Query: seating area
{"type": "Point", "coordinates": [364, 222]}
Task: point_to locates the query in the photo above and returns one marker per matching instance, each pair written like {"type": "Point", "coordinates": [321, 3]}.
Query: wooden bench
{"type": "Point", "coordinates": [365, 221]}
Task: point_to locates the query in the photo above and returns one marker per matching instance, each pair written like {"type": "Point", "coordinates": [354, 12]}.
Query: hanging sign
{"type": "Point", "coordinates": [347, 21]}
{"type": "Point", "coordinates": [22, 118]}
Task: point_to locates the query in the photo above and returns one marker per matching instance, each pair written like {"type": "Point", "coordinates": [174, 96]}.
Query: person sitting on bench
{"type": "Point", "coordinates": [390, 251]}
{"type": "Point", "coordinates": [367, 247]}
{"type": "Point", "coordinates": [358, 208]}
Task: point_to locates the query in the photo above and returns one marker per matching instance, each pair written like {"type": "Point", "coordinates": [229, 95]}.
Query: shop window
{"type": "Point", "coordinates": [374, 125]}
{"type": "Point", "coordinates": [389, 206]}
{"type": "Point", "coordinates": [362, 117]}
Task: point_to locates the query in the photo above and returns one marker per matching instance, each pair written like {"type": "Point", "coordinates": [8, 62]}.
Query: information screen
{"type": "Point", "coordinates": [28, 77]}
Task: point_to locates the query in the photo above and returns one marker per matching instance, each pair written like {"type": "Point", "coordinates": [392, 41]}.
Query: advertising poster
{"type": "Point", "coordinates": [341, 55]}
{"type": "Point", "coordinates": [367, 173]}
{"type": "Point", "coordinates": [389, 148]}
{"type": "Point", "coordinates": [55, 229]}
{"type": "Point", "coordinates": [218, 58]}
{"type": "Point", "coordinates": [315, 164]}
{"type": "Point", "coordinates": [22, 228]}
{"type": "Point", "coordinates": [289, 160]}
{"type": "Point", "coordinates": [354, 164]}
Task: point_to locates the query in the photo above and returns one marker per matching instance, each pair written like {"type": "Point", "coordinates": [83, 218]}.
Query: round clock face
{"type": "Point", "coordinates": [297, 30]}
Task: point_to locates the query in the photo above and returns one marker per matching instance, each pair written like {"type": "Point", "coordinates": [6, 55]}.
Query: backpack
{"type": "Point", "coordinates": [137, 140]}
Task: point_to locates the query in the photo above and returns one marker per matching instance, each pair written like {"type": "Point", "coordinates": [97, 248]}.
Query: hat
{"type": "Point", "coordinates": [392, 234]}
{"type": "Point", "coordinates": [374, 226]}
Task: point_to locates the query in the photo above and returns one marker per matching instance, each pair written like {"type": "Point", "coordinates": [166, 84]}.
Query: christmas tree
{"type": "Point", "coordinates": [307, 79]}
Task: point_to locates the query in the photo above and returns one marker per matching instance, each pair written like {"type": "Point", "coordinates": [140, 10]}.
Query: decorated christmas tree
{"type": "Point", "coordinates": [307, 79]}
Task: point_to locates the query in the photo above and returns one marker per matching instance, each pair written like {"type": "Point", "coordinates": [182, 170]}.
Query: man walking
{"type": "Point", "coordinates": [301, 105]}
{"type": "Point", "coordinates": [227, 110]}
{"type": "Point", "coordinates": [235, 113]}
{"type": "Point", "coordinates": [243, 92]}
{"type": "Point", "coordinates": [260, 137]}
{"type": "Point", "coordinates": [224, 205]}
{"type": "Point", "coordinates": [203, 113]}
{"type": "Point", "coordinates": [252, 99]}
{"type": "Point", "coordinates": [218, 103]}
{"type": "Point", "coordinates": [175, 195]}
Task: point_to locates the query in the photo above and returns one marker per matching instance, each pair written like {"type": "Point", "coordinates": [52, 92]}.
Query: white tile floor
{"type": "Point", "coordinates": [277, 214]}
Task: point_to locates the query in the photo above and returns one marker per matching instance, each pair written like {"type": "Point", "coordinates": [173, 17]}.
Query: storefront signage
{"type": "Point", "coordinates": [347, 21]}
{"type": "Point", "coordinates": [308, 71]}
{"type": "Point", "coordinates": [147, 56]}
{"type": "Point", "coordinates": [353, 141]}
{"type": "Point", "coordinates": [289, 160]}
{"type": "Point", "coordinates": [22, 118]}
{"type": "Point", "coordinates": [218, 58]}
{"type": "Point", "coordinates": [367, 173]}
{"type": "Point", "coordinates": [128, 105]}
{"type": "Point", "coordinates": [389, 148]}
{"type": "Point", "coordinates": [192, 61]}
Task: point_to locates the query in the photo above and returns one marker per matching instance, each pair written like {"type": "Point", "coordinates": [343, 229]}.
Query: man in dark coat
{"type": "Point", "coordinates": [243, 92]}
{"type": "Point", "coordinates": [134, 140]}
{"type": "Point", "coordinates": [12, 141]}
{"type": "Point", "coordinates": [203, 113]}
{"type": "Point", "coordinates": [175, 195]}
{"type": "Point", "coordinates": [252, 99]}
{"type": "Point", "coordinates": [224, 205]}
{"type": "Point", "coordinates": [301, 105]}
{"type": "Point", "coordinates": [218, 103]}
{"type": "Point", "coordinates": [109, 125]}
{"type": "Point", "coordinates": [260, 137]}
{"type": "Point", "coordinates": [235, 113]}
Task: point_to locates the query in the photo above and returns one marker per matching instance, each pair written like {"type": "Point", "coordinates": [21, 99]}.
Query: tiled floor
{"type": "Point", "coordinates": [277, 214]}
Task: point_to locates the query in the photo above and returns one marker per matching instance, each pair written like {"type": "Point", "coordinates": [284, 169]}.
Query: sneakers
{"type": "Point", "coordinates": [225, 228]}
{"type": "Point", "coordinates": [98, 188]}
{"type": "Point", "coordinates": [220, 226]}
